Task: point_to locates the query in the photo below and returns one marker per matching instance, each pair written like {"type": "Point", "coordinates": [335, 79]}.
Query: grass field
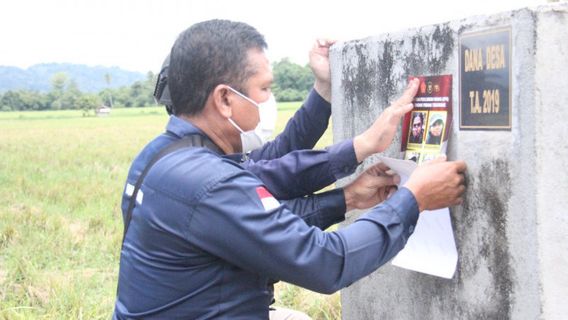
{"type": "Point", "coordinates": [61, 178]}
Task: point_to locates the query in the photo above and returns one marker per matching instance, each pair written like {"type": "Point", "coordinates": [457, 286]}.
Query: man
{"type": "Point", "coordinates": [302, 132]}
{"type": "Point", "coordinates": [417, 130]}
{"type": "Point", "coordinates": [207, 235]}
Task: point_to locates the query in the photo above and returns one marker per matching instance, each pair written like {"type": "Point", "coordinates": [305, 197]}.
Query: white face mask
{"type": "Point", "coordinates": [256, 138]}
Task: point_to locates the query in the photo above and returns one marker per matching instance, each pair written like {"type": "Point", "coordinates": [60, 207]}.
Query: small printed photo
{"type": "Point", "coordinates": [436, 126]}
{"type": "Point", "coordinates": [412, 155]}
{"type": "Point", "coordinates": [429, 156]}
{"type": "Point", "coordinates": [417, 126]}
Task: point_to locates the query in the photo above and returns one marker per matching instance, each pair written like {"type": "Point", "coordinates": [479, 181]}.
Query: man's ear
{"type": "Point", "coordinates": [223, 100]}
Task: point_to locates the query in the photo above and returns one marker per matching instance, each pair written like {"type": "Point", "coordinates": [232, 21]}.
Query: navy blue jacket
{"type": "Point", "coordinates": [206, 234]}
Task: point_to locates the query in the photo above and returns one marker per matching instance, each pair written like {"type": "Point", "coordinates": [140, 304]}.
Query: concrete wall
{"type": "Point", "coordinates": [512, 230]}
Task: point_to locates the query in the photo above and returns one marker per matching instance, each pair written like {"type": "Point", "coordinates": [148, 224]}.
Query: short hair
{"type": "Point", "coordinates": [207, 54]}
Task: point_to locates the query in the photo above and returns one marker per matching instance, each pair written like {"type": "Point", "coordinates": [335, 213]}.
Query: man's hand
{"type": "Point", "coordinates": [319, 63]}
{"type": "Point", "coordinates": [380, 134]}
{"type": "Point", "coordinates": [438, 184]}
{"type": "Point", "coordinates": [373, 186]}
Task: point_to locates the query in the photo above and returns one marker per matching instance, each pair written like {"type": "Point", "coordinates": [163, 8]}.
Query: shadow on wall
{"type": "Point", "coordinates": [487, 251]}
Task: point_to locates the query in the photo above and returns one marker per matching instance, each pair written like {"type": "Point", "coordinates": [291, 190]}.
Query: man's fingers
{"type": "Point", "coordinates": [396, 179]}
{"type": "Point", "coordinates": [381, 169]}
{"type": "Point", "coordinates": [377, 169]}
{"type": "Point", "coordinates": [379, 181]}
{"type": "Point", "coordinates": [458, 201]}
{"type": "Point", "coordinates": [390, 191]}
{"type": "Point", "coordinates": [325, 42]}
{"type": "Point", "coordinates": [322, 45]}
{"type": "Point", "coordinates": [461, 189]}
{"type": "Point", "coordinates": [399, 110]}
{"type": "Point", "coordinates": [384, 181]}
{"type": "Point", "coordinates": [381, 166]}
{"type": "Point", "coordinates": [410, 91]}
{"type": "Point", "coordinates": [404, 103]}
{"type": "Point", "coordinates": [460, 166]}
{"type": "Point", "coordinates": [405, 109]}
{"type": "Point", "coordinates": [441, 158]}
{"type": "Point", "coordinates": [460, 179]}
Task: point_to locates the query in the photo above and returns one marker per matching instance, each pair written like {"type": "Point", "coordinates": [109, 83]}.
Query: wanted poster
{"type": "Point", "coordinates": [426, 128]}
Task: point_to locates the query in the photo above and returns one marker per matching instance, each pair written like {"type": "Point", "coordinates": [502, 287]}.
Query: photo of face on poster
{"type": "Point", "coordinates": [414, 156]}
{"type": "Point", "coordinates": [436, 125]}
{"type": "Point", "coordinates": [417, 123]}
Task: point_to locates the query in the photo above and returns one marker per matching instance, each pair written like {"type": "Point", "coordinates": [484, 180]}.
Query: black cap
{"type": "Point", "coordinates": [161, 91]}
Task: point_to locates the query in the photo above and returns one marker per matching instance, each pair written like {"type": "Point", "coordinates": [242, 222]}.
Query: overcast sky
{"type": "Point", "coordinates": [137, 34]}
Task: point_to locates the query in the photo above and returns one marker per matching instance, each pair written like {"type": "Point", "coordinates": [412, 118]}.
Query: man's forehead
{"type": "Point", "coordinates": [259, 62]}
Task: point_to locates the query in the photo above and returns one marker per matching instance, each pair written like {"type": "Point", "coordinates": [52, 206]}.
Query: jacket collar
{"type": "Point", "coordinates": [181, 128]}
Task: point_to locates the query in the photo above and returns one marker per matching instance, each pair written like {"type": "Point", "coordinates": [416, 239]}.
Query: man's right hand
{"type": "Point", "coordinates": [379, 135]}
{"type": "Point", "coordinates": [438, 184]}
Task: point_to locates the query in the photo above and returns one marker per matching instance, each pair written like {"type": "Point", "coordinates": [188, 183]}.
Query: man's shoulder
{"type": "Point", "coordinates": [189, 170]}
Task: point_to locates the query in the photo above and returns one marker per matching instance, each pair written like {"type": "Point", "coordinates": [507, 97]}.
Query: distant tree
{"type": "Point", "coordinates": [11, 101]}
{"type": "Point", "coordinates": [122, 97]}
{"type": "Point", "coordinates": [292, 82]}
{"type": "Point", "coordinates": [71, 95]}
{"type": "Point", "coordinates": [58, 83]}
{"type": "Point", "coordinates": [23, 100]}
{"type": "Point", "coordinates": [108, 79]}
{"type": "Point", "coordinates": [141, 92]}
{"type": "Point", "coordinates": [33, 100]}
{"type": "Point", "coordinates": [4, 107]}
{"type": "Point", "coordinates": [88, 103]}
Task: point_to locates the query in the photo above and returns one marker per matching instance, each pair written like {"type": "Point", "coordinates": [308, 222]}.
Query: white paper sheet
{"type": "Point", "coordinates": [431, 248]}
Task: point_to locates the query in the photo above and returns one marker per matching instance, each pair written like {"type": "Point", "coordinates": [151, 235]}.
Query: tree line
{"type": "Point", "coordinates": [65, 94]}
{"type": "Point", "coordinates": [291, 83]}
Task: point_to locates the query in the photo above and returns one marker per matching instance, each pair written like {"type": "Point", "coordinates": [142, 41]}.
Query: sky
{"type": "Point", "coordinates": [136, 35]}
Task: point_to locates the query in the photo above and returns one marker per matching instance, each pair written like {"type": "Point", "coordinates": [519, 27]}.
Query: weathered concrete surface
{"type": "Point", "coordinates": [512, 231]}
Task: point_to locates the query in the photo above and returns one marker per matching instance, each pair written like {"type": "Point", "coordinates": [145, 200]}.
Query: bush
{"type": "Point", "coordinates": [290, 95]}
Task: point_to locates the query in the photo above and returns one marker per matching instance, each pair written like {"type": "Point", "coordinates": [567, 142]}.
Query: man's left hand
{"type": "Point", "coordinates": [371, 187]}
{"type": "Point", "coordinates": [319, 63]}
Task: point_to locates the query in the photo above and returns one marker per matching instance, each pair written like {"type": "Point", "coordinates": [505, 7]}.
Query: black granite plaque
{"type": "Point", "coordinates": [485, 80]}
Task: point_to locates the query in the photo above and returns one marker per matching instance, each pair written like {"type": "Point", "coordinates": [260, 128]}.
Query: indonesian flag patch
{"type": "Point", "coordinates": [268, 201]}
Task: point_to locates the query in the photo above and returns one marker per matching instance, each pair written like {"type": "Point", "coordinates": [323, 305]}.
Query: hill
{"type": "Point", "coordinates": [88, 79]}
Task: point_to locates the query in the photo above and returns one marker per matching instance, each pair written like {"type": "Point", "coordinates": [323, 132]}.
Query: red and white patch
{"type": "Point", "coordinates": [268, 201]}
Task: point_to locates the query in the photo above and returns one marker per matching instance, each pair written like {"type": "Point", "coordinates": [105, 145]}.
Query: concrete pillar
{"type": "Point", "coordinates": [512, 230]}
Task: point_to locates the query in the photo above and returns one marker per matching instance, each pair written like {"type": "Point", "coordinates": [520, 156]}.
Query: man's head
{"type": "Point", "coordinates": [208, 54]}
{"type": "Point", "coordinates": [417, 124]}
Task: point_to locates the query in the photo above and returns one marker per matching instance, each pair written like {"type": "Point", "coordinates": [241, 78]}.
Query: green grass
{"type": "Point", "coordinates": [61, 179]}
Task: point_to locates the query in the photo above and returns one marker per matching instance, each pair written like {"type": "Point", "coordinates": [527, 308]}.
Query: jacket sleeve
{"type": "Point", "coordinates": [302, 131]}
{"type": "Point", "coordinates": [320, 210]}
{"type": "Point", "coordinates": [303, 172]}
{"type": "Point", "coordinates": [235, 220]}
